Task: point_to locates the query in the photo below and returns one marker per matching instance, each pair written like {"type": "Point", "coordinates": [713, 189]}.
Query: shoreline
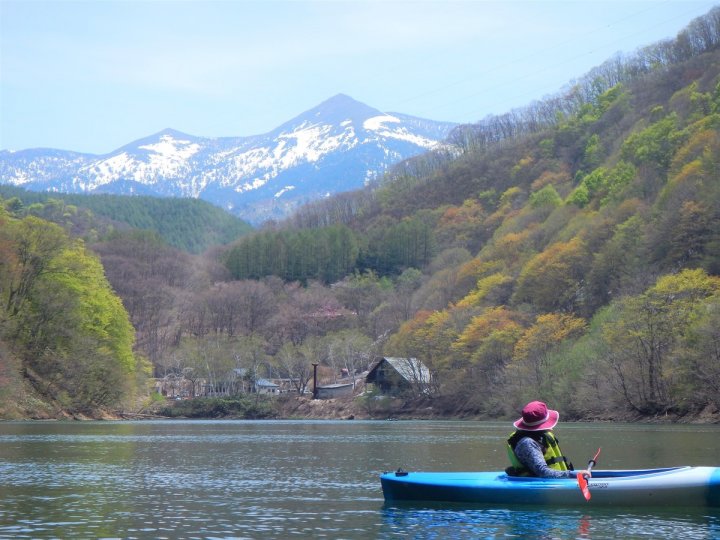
{"type": "Point", "coordinates": [304, 408]}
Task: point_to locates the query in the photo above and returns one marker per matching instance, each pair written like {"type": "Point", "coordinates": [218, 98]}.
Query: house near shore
{"type": "Point", "coordinates": [177, 386]}
{"type": "Point", "coordinates": [264, 386]}
{"type": "Point", "coordinates": [393, 375]}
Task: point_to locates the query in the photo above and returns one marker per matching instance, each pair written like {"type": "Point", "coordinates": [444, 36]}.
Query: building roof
{"type": "Point", "coordinates": [410, 369]}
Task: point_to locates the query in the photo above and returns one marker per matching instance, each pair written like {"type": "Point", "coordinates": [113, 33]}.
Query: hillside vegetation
{"type": "Point", "coordinates": [188, 224]}
{"type": "Point", "coordinates": [66, 342]}
{"type": "Point", "coordinates": [567, 251]}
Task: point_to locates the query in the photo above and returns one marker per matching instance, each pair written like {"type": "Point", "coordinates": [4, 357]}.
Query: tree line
{"type": "Point", "coordinates": [191, 225]}
{"type": "Point", "coordinates": [653, 71]}
{"type": "Point", "coordinates": [328, 254]}
{"type": "Point", "coordinates": [560, 225]}
{"type": "Point", "coordinates": [577, 253]}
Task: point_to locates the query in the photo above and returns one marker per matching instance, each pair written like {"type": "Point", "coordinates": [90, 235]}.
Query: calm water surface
{"type": "Point", "coordinates": [304, 479]}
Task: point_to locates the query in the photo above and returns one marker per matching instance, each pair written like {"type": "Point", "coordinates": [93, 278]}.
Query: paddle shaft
{"type": "Point", "coordinates": [593, 461]}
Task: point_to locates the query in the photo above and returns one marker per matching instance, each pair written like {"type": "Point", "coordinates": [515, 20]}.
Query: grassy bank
{"type": "Point", "coordinates": [246, 407]}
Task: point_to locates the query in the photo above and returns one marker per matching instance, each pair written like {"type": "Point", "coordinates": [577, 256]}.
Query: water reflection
{"type": "Point", "coordinates": [454, 521]}
{"type": "Point", "coordinates": [302, 479]}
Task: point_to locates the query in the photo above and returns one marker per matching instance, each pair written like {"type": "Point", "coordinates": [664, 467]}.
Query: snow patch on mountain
{"type": "Point", "coordinates": [255, 183]}
{"type": "Point", "coordinates": [167, 152]}
{"type": "Point", "coordinates": [378, 122]}
{"type": "Point", "coordinates": [283, 191]}
{"type": "Point", "coordinates": [245, 164]}
{"type": "Point", "coordinates": [339, 145]}
{"type": "Point", "coordinates": [309, 142]}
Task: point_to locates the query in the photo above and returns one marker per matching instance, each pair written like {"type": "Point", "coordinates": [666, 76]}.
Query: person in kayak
{"type": "Point", "coordinates": [533, 449]}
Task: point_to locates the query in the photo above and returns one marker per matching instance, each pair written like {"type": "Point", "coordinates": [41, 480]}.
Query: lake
{"type": "Point", "coordinates": [311, 479]}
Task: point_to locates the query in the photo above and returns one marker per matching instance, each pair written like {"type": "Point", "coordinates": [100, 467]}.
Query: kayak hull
{"type": "Point", "coordinates": [677, 486]}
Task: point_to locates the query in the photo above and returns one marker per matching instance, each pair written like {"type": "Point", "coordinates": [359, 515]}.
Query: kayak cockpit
{"type": "Point", "coordinates": [625, 473]}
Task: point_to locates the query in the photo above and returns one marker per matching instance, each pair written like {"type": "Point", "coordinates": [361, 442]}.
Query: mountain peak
{"type": "Point", "coordinates": [335, 110]}
{"type": "Point", "coordinates": [157, 137]}
{"type": "Point", "coordinates": [341, 101]}
{"type": "Point", "coordinates": [173, 133]}
{"type": "Point", "coordinates": [339, 145]}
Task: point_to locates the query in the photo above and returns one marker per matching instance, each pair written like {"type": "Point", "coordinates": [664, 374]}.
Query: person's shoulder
{"type": "Point", "coordinates": [526, 441]}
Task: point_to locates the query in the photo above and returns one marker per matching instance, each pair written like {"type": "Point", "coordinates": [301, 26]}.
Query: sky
{"type": "Point", "coordinates": [93, 75]}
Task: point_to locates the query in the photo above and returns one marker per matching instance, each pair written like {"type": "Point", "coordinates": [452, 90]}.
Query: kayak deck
{"type": "Point", "coordinates": [675, 486]}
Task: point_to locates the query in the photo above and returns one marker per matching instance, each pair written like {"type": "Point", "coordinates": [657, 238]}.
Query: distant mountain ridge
{"type": "Point", "coordinates": [337, 146]}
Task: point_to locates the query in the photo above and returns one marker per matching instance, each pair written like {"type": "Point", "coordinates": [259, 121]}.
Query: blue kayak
{"type": "Point", "coordinates": [676, 486]}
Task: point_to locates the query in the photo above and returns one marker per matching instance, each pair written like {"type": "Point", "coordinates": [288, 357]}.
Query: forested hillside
{"type": "Point", "coordinates": [66, 342]}
{"type": "Point", "coordinates": [188, 224]}
{"type": "Point", "coordinates": [567, 251]}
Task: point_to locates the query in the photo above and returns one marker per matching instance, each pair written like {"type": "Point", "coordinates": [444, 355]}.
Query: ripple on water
{"type": "Point", "coordinates": [271, 480]}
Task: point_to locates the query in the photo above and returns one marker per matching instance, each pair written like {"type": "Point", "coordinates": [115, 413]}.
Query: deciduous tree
{"type": "Point", "coordinates": [641, 342]}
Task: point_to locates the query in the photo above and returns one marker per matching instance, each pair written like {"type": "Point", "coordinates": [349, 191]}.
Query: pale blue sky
{"type": "Point", "coordinates": [91, 76]}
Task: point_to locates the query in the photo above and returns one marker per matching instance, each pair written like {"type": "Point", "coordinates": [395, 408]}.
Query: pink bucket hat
{"type": "Point", "coordinates": [537, 417]}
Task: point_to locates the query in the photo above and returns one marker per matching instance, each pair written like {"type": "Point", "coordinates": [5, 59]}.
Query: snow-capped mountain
{"type": "Point", "coordinates": [337, 146]}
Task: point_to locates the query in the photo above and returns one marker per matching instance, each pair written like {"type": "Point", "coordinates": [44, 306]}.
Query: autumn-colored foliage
{"type": "Point", "coordinates": [573, 243]}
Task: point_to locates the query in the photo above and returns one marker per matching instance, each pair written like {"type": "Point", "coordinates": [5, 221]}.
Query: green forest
{"type": "Point", "coordinates": [189, 224]}
{"type": "Point", "coordinates": [567, 251]}
{"type": "Point", "coordinates": [65, 333]}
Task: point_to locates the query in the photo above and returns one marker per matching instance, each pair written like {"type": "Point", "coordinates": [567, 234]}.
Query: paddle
{"type": "Point", "coordinates": [582, 479]}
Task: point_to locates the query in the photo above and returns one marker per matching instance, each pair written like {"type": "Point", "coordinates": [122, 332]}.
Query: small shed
{"type": "Point", "coordinates": [263, 386]}
{"type": "Point", "coordinates": [330, 391]}
{"type": "Point", "coordinates": [395, 375]}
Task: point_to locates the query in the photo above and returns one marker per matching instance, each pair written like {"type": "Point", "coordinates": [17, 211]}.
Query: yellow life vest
{"type": "Point", "coordinates": [553, 455]}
